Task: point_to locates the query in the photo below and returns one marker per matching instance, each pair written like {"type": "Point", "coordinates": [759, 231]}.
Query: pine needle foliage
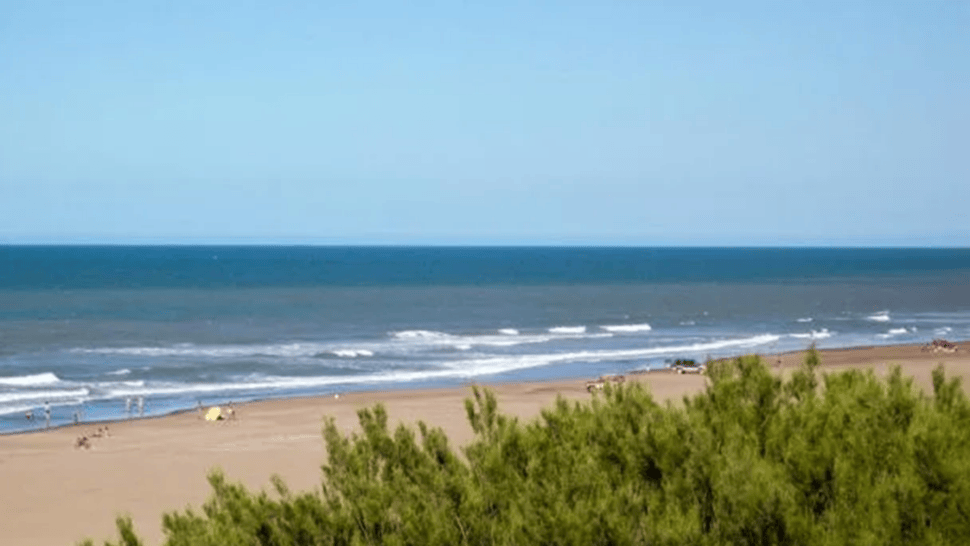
{"type": "Point", "coordinates": [754, 459]}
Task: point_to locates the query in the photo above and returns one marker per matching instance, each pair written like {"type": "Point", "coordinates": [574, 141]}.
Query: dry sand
{"type": "Point", "coordinates": [56, 494]}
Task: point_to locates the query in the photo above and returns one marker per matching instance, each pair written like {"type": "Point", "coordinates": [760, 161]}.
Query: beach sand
{"type": "Point", "coordinates": [57, 494]}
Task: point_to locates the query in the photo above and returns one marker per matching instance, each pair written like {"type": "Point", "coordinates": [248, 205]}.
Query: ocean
{"type": "Point", "coordinates": [90, 330]}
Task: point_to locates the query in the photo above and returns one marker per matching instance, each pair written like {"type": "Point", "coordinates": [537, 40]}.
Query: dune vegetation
{"type": "Point", "coordinates": [756, 458]}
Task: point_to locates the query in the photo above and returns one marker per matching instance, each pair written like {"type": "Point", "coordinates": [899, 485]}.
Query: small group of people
{"type": "Point", "coordinates": [47, 414]}
{"type": "Point", "coordinates": [84, 441]}
{"type": "Point", "coordinates": [141, 406]}
{"type": "Point", "coordinates": [78, 415]}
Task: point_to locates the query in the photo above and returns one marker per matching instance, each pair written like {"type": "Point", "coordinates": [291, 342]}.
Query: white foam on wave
{"type": "Point", "coordinates": [893, 332]}
{"type": "Point", "coordinates": [213, 351]}
{"type": "Point", "coordinates": [567, 330]}
{"type": "Point", "coordinates": [688, 323]}
{"type": "Point", "coordinates": [352, 353]}
{"type": "Point", "coordinates": [882, 316]}
{"type": "Point", "coordinates": [33, 380]}
{"type": "Point", "coordinates": [122, 371]}
{"type": "Point", "coordinates": [804, 319]}
{"type": "Point", "coordinates": [942, 331]}
{"type": "Point", "coordinates": [188, 350]}
{"type": "Point", "coordinates": [23, 408]}
{"type": "Point", "coordinates": [103, 386]}
{"type": "Point", "coordinates": [628, 328]}
{"type": "Point", "coordinates": [495, 365]}
{"type": "Point", "coordinates": [405, 340]}
{"type": "Point", "coordinates": [261, 383]}
{"type": "Point", "coordinates": [420, 334]}
{"type": "Point", "coordinates": [507, 337]}
{"type": "Point", "coordinates": [49, 395]}
{"type": "Point", "coordinates": [814, 334]}
{"type": "Point", "coordinates": [452, 370]}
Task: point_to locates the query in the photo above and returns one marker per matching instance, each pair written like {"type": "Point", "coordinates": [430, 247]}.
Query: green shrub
{"type": "Point", "coordinates": [753, 459]}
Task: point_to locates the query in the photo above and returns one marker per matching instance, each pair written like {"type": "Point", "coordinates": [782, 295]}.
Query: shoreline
{"type": "Point", "coordinates": [402, 387]}
{"type": "Point", "coordinates": [156, 464]}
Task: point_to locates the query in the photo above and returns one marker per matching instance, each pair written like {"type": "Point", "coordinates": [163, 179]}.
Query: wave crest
{"type": "Point", "coordinates": [420, 334]}
{"type": "Point", "coordinates": [567, 330]}
{"type": "Point", "coordinates": [39, 396]}
{"type": "Point", "coordinates": [628, 328]}
{"type": "Point", "coordinates": [46, 378]}
{"type": "Point", "coordinates": [893, 332]}
{"type": "Point", "coordinates": [352, 353]}
{"type": "Point", "coordinates": [814, 334]}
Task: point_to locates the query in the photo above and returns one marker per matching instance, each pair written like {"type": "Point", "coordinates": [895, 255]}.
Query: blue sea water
{"type": "Point", "coordinates": [86, 328]}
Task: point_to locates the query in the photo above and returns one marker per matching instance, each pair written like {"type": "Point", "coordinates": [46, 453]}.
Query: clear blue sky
{"type": "Point", "coordinates": [632, 122]}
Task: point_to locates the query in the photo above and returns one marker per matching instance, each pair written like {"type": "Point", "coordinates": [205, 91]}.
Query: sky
{"type": "Point", "coordinates": [797, 123]}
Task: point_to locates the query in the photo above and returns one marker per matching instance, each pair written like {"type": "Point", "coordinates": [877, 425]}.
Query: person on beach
{"type": "Point", "coordinates": [128, 406]}
{"type": "Point", "coordinates": [141, 406]}
{"type": "Point", "coordinates": [47, 413]}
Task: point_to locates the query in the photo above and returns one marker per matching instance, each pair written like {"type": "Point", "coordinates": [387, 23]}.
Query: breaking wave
{"type": "Point", "coordinates": [628, 328]}
{"type": "Point", "coordinates": [32, 380]}
{"type": "Point", "coordinates": [420, 334]}
{"type": "Point", "coordinates": [450, 370]}
{"type": "Point", "coordinates": [814, 334]}
{"type": "Point", "coordinates": [43, 396]}
{"type": "Point", "coordinates": [567, 330]}
{"type": "Point", "coordinates": [893, 332]}
{"type": "Point", "coordinates": [351, 353]}
{"type": "Point", "coordinates": [214, 351]}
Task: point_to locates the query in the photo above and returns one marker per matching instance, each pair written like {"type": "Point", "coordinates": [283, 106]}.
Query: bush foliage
{"type": "Point", "coordinates": [847, 458]}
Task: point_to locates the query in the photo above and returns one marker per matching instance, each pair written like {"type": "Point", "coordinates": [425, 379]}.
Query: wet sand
{"type": "Point", "coordinates": [57, 494]}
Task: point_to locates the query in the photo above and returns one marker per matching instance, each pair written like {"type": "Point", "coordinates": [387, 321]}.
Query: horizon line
{"type": "Point", "coordinates": [283, 244]}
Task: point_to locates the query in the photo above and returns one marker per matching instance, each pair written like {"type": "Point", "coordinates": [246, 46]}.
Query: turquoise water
{"type": "Point", "coordinates": [87, 328]}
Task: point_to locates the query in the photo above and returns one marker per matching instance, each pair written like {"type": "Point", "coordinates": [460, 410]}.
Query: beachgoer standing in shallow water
{"type": "Point", "coordinates": [47, 413]}
{"type": "Point", "coordinates": [128, 406]}
{"type": "Point", "coordinates": [141, 406]}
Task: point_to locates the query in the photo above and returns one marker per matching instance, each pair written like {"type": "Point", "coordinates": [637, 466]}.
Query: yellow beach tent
{"type": "Point", "coordinates": [214, 414]}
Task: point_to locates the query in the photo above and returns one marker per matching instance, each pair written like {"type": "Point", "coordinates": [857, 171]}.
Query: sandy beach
{"type": "Point", "coordinates": [55, 493]}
